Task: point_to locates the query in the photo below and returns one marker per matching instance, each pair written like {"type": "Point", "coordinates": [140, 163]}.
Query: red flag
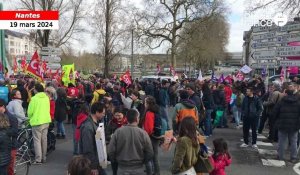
{"type": "Point", "coordinates": [172, 70]}
{"type": "Point", "coordinates": [33, 69]}
{"type": "Point", "coordinates": [158, 69]}
{"type": "Point", "coordinates": [23, 63]}
{"type": "Point", "coordinates": [15, 67]}
{"type": "Point", "coordinates": [126, 78]}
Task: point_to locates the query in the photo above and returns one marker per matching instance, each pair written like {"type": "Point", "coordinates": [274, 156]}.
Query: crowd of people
{"type": "Point", "coordinates": [136, 116]}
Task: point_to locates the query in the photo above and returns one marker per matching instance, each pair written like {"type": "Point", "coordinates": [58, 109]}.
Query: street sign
{"type": "Point", "coordinates": [263, 45]}
{"type": "Point", "coordinates": [288, 51]}
{"type": "Point", "coordinates": [50, 53]}
{"type": "Point", "coordinates": [290, 27]}
{"type": "Point", "coordinates": [264, 65]}
{"type": "Point", "coordinates": [50, 49]}
{"type": "Point", "coordinates": [264, 54]}
{"type": "Point", "coordinates": [54, 66]}
{"type": "Point", "coordinates": [264, 36]}
{"type": "Point", "coordinates": [289, 63]}
{"type": "Point", "coordinates": [51, 59]}
{"type": "Point", "coordinates": [264, 29]}
{"type": "Point", "coordinates": [289, 37]}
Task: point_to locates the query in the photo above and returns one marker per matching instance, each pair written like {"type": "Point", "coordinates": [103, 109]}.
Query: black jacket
{"type": "Point", "coordinates": [5, 147]}
{"type": "Point", "coordinates": [13, 130]}
{"type": "Point", "coordinates": [219, 98]}
{"type": "Point", "coordinates": [252, 108]}
{"type": "Point", "coordinates": [208, 101]}
{"type": "Point", "coordinates": [87, 142]}
{"type": "Point", "coordinates": [24, 95]}
{"type": "Point", "coordinates": [60, 113]}
{"type": "Point", "coordinates": [149, 89]}
{"type": "Point", "coordinates": [287, 114]}
{"type": "Point", "coordinates": [197, 101]}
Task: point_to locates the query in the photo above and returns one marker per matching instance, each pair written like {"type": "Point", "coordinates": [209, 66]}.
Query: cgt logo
{"type": "Point", "coordinates": [279, 20]}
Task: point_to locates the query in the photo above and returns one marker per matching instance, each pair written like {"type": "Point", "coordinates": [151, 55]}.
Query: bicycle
{"type": "Point", "coordinates": [23, 160]}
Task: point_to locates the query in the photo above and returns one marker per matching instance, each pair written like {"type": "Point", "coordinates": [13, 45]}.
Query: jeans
{"type": "Point", "coordinates": [155, 162]}
{"type": "Point", "coordinates": [250, 122]}
{"type": "Point", "coordinates": [223, 121]}
{"type": "Point", "coordinates": [207, 122]}
{"type": "Point", "coordinates": [39, 134]}
{"type": "Point", "coordinates": [164, 114]}
{"type": "Point", "coordinates": [114, 167]}
{"type": "Point", "coordinates": [282, 138]}
{"type": "Point", "coordinates": [236, 114]}
{"type": "Point", "coordinates": [3, 170]}
{"type": "Point", "coordinates": [60, 128]}
{"type": "Point", "coordinates": [131, 171]}
{"type": "Point", "coordinates": [11, 167]}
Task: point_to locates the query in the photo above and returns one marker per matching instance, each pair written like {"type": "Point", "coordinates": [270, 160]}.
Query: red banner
{"type": "Point", "coordinates": [126, 78]}
{"type": "Point", "coordinates": [33, 69]}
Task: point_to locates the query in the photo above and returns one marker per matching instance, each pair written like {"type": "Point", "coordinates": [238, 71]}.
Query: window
{"type": "Point", "coordinates": [12, 50]}
{"type": "Point", "coordinates": [11, 43]}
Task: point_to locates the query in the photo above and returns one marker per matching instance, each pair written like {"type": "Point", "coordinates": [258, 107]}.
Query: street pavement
{"type": "Point", "coordinates": [245, 161]}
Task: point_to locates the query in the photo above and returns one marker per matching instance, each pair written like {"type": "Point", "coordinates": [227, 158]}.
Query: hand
{"type": "Point", "coordinates": [94, 172]}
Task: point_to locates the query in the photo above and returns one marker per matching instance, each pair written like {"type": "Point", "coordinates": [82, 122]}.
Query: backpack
{"type": "Point", "coordinates": [239, 100]}
{"type": "Point", "coordinates": [160, 126]}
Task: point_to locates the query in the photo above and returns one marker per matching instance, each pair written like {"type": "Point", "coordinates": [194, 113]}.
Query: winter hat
{"type": "Point", "coordinates": [191, 86]}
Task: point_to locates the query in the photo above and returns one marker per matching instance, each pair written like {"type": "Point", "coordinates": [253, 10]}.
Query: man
{"type": "Point", "coordinates": [130, 146]}
{"type": "Point", "coordinates": [194, 97]}
{"type": "Point", "coordinates": [274, 97]}
{"type": "Point", "coordinates": [164, 100]}
{"type": "Point", "coordinates": [39, 119]}
{"type": "Point", "coordinates": [228, 93]}
{"type": "Point", "coordinates": [287, 115]}
{"type": "Point", "coordinates": [251, 110]}
{"type": "Point", "coordinates": [87, 142]}
{"type": "Point", "coordinates": [98, 94]}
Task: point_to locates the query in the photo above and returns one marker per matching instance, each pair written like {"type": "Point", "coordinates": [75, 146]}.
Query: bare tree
{"type": "Point", "coordinates": [204, 42]}
{"type": "Point", "coordinates": [70, 13]}
{"type": "Point", "coordinates": [111, 28]}
{"type": "Point", "coordinates": [162, 20]}
{"type": "Point", "coordinates": [290, 6]}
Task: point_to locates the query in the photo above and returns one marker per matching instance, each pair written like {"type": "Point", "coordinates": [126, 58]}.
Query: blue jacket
{"type": "Point", "coordinates": [164, 97]}
{"type": "Point", "coordinates": [4, 93]}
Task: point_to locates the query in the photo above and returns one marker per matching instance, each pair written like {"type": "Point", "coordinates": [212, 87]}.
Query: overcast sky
{"type": "Point", "coordinates": [237, 20]}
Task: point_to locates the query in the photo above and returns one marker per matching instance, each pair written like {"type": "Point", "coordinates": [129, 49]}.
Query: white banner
{"type": "Point", "coordinates": [29, 24]}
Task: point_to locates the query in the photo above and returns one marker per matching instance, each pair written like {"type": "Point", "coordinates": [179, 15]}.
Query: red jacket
{"type": "Point", "coordinates": [80, 119]}
{"type": "Point", "coordinates": [228, 93]}
{"type": "Point", "coordinates": [52, 109]}
{"type": "Point", "coordinates": [149, 122]}
{"type": "Point", "coordinates": [73, 92]}
{"type": "Point", "coordinates": [219, 163]}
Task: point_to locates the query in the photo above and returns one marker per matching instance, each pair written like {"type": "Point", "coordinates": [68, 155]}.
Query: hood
{"type": "Point", "coordinates": [41, 95]}
{"type": "Point", "coordinates": [188, 103]}
{"type": "Point", "coordinates": [290, 99]}
{"type": "Point", "coordinates": [100, 91]}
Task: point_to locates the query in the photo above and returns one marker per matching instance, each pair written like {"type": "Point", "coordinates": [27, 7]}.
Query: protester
{"type": "Point", "coordinates": [4, 91]}
{"type": "Point", "coordinates": [24, 93]}
{"type": "Point", "coordinates": [79, 165]}
{"type": "Point", "coordinates": [39, 117]}
{"type": "Point", "coordinates": [61, 112]}
{"type": "Point", "coordinates": [187, 148]}
{"type": "Point", "coordinates": [251, 110]}
{"type": "Point", "coordinates": [87, 142]}
{"type": "Point", "coordinates": [164, 100]}
{"type": "Point", "coordinates": [121, 144]}
{"type": "Point", "coordinates": [51, 92]}
{"type": "Point", "coordinates": [5, 144]}
{"type": "Point", "coordinates": [98, 94]}
{"type": "Point", "coordinates": [287, 116]}
{"type": "Point", "coordinates": [15, 108]}
{"type": "Point", "coordinates": [209, 106]}
{"type": "Point", "coordinates": [82, 116]}
{"type": "Point", "coordinates": [221, 157]}
{"type": "Point", "coordinates": [220, 102]}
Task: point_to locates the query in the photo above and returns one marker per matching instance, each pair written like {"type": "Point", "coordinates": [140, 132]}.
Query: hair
{"type": "Point", "coordinates": [52, 92]}
{"type": "Point", "coordinates": [289, 92]}
{"type": "Point", "coordinates": [13, 93]}
{"type": "Point", "coordinates": [132, 115]}
{"type": "Point", "coordinates": [97, 107]}
{"type": "Point", "coordinates": [84, 108]}
{"type": "Point", "coordinates": [61, 93]}
{"type": "Point", "coordinates": [183, 94]}
{"type": "Point", "coordinates": [136, 93]}
{"type": "Point", "coordinates": [119, 109]}
{"type": "Point", "coordinates": [4, 122]}
{"type": "Point", "coordinates": [79, 165]}
{"type": "Point", "coordinates": [251, 89]}
{"type": "Point", "coordinates": [220, 146]}
{"type": "Point", "coordinates": [20, 83]}
{"type": "Point", "coordinates": [71, 85]}
{"type": "Point", "coordinates": [206, 89]}
{"type": "Point", "coordinates": [221, 87]}
{"type": "Point", "coordinates": [152, 105]}
{"type": "Point", "coordinates": [188, 128]}
{"type": "Point", "coordinates": [164, 82]}
{"type": "Point", "coordinates": [98, 86]}
{"type": "Point", "coordinates": [38, 87]}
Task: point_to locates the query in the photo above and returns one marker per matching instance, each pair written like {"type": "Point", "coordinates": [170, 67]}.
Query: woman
{"type": "Point", "coordinates": [187, 148]}
{"type": "Point", "coordinates": [79, 165]}
{"type": "Point", "coordinates": [219, 100]}
{"type": "Point", "coordinates": [152, 109]}
{"type": "Point", "coordinates": [5, 144]}
{"type": "Point", "coordinates": [51, 92]}
{"type": "Point", "coordinates": [209, 105]}
{"type": "Point", "coordinates": [61, 112]}
{"type": "Point", "coordinates": [15, 108]}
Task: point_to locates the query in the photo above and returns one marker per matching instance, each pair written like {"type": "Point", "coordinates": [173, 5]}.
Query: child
{"type": "Point", "coordinates": [79, 165]}
{"type": "Point", "coordinates": [220, 158]}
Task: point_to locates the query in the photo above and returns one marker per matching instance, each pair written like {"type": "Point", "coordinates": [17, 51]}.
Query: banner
{"type": "Point", "coordinates": [246, 69]}
{"type": "Point", "coordinates": [221, 79]}
{"type": "Point", "coordinates": [33, 68]}
{"type": "Point", "coordinates": [15, 66]}
{"type": "Point", "coordinates": [68, 74]}
{"type": "Point", "coordinates": [172, 70]}
{"type": "Point", "coordinates": [126, 78]}
{"type": "Point", "coordinates": [23, 64]}
{"type": "Point", "coordinates": [213, 77]}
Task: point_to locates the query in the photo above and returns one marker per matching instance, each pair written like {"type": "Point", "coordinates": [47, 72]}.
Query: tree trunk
{"type": "Point", "coordinates": [107, 37]}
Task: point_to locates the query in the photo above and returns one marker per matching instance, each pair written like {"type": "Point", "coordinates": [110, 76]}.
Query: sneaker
{"type": "Point", "coordinates": [294, 161]}
{"type": "Point", "coordinates": [244, 145]}
{"type": "Point", "coordinates": [36, 163]}
{"type": "Point", "coordinates": [254, 146]}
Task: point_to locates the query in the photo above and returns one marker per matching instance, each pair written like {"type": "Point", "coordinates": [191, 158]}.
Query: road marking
{"type": "Point", "coordinates": [296, 168]}
{"type": "Point", "coordinates": [274, 163]}
{"type": "Point", "coordinates": [267, 152]}
{"type": "Point", "coordinates": [263, 143]}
